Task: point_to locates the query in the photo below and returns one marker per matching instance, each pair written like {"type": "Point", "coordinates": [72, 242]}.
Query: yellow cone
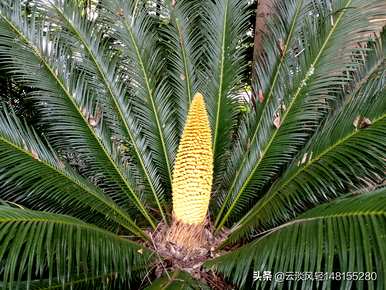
{"type": "Point", "coordinates": [193, 170]}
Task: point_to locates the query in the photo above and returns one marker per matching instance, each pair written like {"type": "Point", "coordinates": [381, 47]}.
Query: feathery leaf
{"type": "Point", "coordinates": [32, 241]}
{"type": "Point", "coordinates": [347, 234]}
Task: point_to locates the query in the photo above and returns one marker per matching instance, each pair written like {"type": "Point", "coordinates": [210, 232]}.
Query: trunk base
{"type": "Point", "coordinates": [186, 247]}
{"type": "Point", "coordinates": [187, 236]}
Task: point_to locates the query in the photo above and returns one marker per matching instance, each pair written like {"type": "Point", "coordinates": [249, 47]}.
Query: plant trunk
{"type": "Point", "coordinates": [189, 236]}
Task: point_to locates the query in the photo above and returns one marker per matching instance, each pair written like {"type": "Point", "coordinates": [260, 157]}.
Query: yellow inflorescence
{"type": "Point", "coordinates": [193, 170]}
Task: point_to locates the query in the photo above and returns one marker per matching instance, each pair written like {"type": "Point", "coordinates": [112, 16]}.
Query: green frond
{"type": "Point", "coordinates": [144, 64]}
{"type": "Point", "coordinates": [33, 167]}
{"type": "Point", "coordinates": [108, 85]}
{"type": "Point", "coordinates": [32, 242]}
{"type": "Point", "coordinates": [294, 161]}
{"type": "Point", "coordinates": [226, 24]}
{"type": "Point", "coordinates": [65, 103]}
{"type": "Point", "coordinates": [183, 49]}
{"type": "Point", "coordinates": [77, 282]}
{"type": "Point", "coordinates": [177, 280]}
{"type": "Point", "coordinates": [270, 66]}
{"type": "Point", "coordinates": [19, 196]}
{"type": "Point", "coordinates": [347, 234]}
{"type": "Point", "coordinates": [329, 46]}
{"type": "Point", "coordinates": [341, 154]}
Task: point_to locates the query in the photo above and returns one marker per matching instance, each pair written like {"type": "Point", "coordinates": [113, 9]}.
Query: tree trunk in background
{"type": "Point", "coordinates": [262, 13]}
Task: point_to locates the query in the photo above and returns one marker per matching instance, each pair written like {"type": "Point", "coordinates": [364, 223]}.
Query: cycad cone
{"type": "Point", "coordinates": [192, 177]}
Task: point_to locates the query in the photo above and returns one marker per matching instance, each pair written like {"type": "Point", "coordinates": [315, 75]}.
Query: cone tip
{"type": "Point", "coordinates": [198, 97]}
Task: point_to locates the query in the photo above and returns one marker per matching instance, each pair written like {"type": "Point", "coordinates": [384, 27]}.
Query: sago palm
{"type": "Point", "coordinates": [162, 165]}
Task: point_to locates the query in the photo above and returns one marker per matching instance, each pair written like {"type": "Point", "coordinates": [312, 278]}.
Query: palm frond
{"type": "Point", "coordinates": [32, 241]}
{"type": "Point", "coordinates": [42, 61]}
{"type": "Point", "coordinates": [270, 64]}
{"type": "Point", "coordinates": [226, 24]}
{"type": "Point", "coordinates": [183, 48]}
{"type": "Point", "coordinates": [340, 154]}
{"type": "Point", "coordinates": [77, 282]}
{"type": "Point", "coordinates": [19, 196]}
{"type": "Point", "coordinates": [101, 62]}
{"type": "Point", "coordinates": [32, 166]}
{"type": "Point", "coordinates": [347, 234]}
{"type": "Point", "coordinates": [329, 46]}
{"type": "Point", "coordinates": [144, 67]}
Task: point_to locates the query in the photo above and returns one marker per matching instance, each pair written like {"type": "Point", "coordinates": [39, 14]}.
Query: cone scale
{"type": "Point", "coordinates": [192, 178]}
